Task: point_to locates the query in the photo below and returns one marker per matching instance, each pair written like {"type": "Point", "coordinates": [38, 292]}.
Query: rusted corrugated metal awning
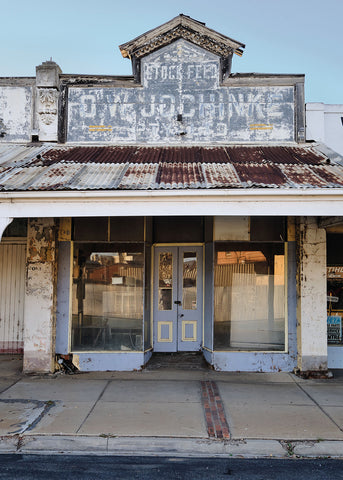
{"type": "Point", "coordinates": [25, 168]}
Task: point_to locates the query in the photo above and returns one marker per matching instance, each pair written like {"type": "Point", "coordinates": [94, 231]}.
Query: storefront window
{"type": "Point", "coordinates": [107, 302]}
{"type": "Point", "coordinates": [249, 296]}
{"type": "Point", "coordinates": [334, 289]}
{"type": "Point", "coordinates": [334, 303]}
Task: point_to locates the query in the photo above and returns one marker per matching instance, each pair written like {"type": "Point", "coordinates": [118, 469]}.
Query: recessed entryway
{"type": "Point", "coordinates": [178, 298]}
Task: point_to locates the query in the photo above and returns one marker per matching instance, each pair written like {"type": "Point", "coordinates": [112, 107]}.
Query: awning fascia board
{"type": "Point", "coordinates": [311, 202]}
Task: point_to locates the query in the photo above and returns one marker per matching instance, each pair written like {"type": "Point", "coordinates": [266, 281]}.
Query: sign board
{"type": "Point", "coordinates": [332, 299]}
{"type": "Point", "coordinates": [181, 101]}
{"type": "Point", "coordinates": [334, 329]}
{"type": "Point", "coordinates": [117, 281]}
{"type": "Point", "coordinates": [335, 272]}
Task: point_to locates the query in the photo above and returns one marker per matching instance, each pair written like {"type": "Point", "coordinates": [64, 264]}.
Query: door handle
{"type": "Point", "coordinates": [177, 302]}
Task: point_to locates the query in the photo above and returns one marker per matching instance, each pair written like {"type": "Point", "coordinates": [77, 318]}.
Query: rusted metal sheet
{"type": "Point", "coordinates": [302, 176]}
{"type": "Point", "coordinates": [17, 155]}
{"type": "Point", "coordinates": [221, 175]}
{"type": "Point", "coordinates": [19, 178]}
{"type": "Point", "coordinates": [245, 154]}
{"type": "Point", "coordinates": [89, 154]}
{"type": "Point", "coordinates": [155, 168]}
{"type": "Point", "coordinates": [330, 173]}
{"type": "Point", "coordinates": [140, 177]}
{"type": "Point", "coordinates": [180, 175]}
{"type": "Point", "coordinates": [95, 177]}
{"type": "Point", "coordinates": [260, 174]}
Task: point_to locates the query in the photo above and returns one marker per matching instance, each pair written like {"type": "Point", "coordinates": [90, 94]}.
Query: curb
{"type": "Point", "coordinates": [163, 446]}
{"type": "Point", "coordinates": [139, 446]}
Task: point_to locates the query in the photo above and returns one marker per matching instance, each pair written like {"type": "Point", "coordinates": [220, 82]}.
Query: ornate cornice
{"type": "Point", "coordinates": [184, 27]}
{"type": "Point", "coordinates": [180, 31]}
{"type": "Point", "coordinates": [47, 105]}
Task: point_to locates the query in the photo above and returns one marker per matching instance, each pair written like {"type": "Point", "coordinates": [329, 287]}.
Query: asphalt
{"type": "Point", "coordinates": [170, 411]}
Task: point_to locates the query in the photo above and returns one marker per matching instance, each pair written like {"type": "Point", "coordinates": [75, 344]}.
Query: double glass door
{"type": "Point", "coordinates": [178, 307]}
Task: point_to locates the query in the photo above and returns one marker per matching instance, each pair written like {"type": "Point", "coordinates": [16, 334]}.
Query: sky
{"type": "Point", "coordinates": [82, 36]}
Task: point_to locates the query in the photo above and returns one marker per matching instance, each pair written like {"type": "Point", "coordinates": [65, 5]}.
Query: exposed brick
{"type": "Point", "coordinates": [217, 426]}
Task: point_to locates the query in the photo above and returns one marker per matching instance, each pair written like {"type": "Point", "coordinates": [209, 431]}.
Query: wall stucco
{"type": "Point", "coordinates": [311, 295]}
{"type": "Point", "coordinates": [39, 313]}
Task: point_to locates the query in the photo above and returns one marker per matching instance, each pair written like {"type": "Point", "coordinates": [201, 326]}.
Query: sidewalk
{"type": "Point", "coordinates": [170, 412]}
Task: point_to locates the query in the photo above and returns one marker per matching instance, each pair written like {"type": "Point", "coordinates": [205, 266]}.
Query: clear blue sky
{"type": "Point", "coordinates": [82, 36]}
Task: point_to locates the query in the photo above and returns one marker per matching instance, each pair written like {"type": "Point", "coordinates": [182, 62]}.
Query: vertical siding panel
{"type": "Point", "coordinates": [11, 291]}
{"type": "Point", "coordinates": [2, 296]}
{"type": "Point", "coordinates": [22, 294]}
{"type": "Point", "coordinates": [6, 280]}
{"type": "Point", "coordinates": [12, 284]}
{"type": "Point", "coordinates": [13, 311]}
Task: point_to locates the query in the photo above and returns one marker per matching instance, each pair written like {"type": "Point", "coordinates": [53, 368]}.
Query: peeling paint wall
{"type": "Point", "coordinates": [47, 101]}
{"type": "Point", "coordinates": [251, 362]}
{"type": "Point", "coordinates": [311, 295]}
{"type": "Point", "coordinates": [181, 102]}
{"type": "Point", "coordinates": [40, 293]}
{"type": "Point", "coordinates": [16, 113]}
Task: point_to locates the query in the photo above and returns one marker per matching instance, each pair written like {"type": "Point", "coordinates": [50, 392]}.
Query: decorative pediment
{"type": "Point", "coordinates": [184, 27]}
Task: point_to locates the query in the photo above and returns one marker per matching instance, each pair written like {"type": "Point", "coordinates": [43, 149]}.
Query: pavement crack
{"type": "Point", "coordinates": [20, 442]}
{"type": "Point", "coordinates": [288, 446]}
{"type": "Point", "coordinates": [92, 409]}
{"type": "Point", "coordinates": [10, 386]}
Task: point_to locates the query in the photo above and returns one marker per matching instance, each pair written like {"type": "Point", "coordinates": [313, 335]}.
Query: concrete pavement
{"type": "Point", "coordinates": [170, 412]}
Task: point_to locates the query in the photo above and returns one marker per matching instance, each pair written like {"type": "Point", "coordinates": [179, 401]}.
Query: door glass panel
{"type": "Point", "coordinates": [189, 281]}
{"type": "Point", "coordinates": [165, 281]}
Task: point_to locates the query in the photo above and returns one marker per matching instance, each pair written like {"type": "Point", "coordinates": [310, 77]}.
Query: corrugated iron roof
{"type": "Point", "coordinates": [48, 167]}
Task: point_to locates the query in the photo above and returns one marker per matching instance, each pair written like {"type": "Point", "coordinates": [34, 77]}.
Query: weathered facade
{"type": "Point", "coordinates": [179, 209]}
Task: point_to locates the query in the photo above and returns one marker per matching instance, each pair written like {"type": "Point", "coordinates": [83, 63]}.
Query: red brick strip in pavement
{"type": "Point", "coordinates": [217, 426]}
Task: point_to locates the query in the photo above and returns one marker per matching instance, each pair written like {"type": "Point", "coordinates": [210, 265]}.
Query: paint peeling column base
{"type": "Point", "coordinates": [40, 297]}
{"type": "Point", "coordinates": [311, 295]}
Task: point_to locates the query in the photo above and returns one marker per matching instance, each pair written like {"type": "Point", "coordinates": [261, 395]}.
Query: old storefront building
{"type": "Point", "coordinates": [175, 210]}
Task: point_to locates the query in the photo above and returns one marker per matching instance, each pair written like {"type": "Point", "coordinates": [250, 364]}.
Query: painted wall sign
{"type": "Point", "coordinates": [334, 272]}
{"type": "Point", "coordinates": [334, 324]}
{"type": "Point", "coordinates": [181, 102]}
{"type": "Point", "coordinates": [15, 114]}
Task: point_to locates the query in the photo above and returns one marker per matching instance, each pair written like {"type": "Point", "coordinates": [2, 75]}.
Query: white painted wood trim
{"type": "Point", "coordinates": [172, 202]}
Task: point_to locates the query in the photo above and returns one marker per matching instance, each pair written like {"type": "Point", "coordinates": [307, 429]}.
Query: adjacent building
{"type": "Point", "coordinates": [324, 124]}
{"type": "Point", "coordinates": [177, 209]}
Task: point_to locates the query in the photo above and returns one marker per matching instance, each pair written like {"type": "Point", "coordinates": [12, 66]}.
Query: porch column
{"type": "Point", "coordinates": [311, 295]}
{"type": "Point", "coordinates": [40, 297]}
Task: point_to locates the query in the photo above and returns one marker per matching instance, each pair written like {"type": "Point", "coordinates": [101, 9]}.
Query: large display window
{"type": "Point", "coordinates": [249, 296]}
{"type": "Point", "coordinates": [334, 289]}
{"type": "Point", "coordinates": [107, 297]}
